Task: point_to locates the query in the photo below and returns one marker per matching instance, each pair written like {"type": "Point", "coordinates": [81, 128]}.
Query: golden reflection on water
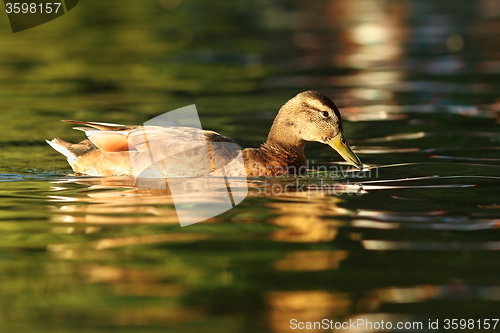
{"type": "Point", "coordinates": [308, 222]}
{"type": "Point", "coordinates": [305, 306]}
{"type": "Point", "coordinates": [310, 260]}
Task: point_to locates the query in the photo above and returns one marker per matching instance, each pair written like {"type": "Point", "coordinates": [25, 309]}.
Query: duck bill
{"type": "Point", "coordinates": [340, 145]}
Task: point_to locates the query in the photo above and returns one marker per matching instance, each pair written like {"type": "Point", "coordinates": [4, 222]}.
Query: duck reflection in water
{"type": "Point", "coordinates": [119, 200]}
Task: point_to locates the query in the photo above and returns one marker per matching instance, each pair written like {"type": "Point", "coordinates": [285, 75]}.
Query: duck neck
{"type": "Point", "coordinates": [285, 146]}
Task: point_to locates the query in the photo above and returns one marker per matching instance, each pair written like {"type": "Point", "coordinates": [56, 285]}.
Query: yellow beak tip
{"type": "Point", "coordinates": [340, 145]}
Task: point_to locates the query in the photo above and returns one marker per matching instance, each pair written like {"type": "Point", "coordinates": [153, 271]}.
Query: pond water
{"type": "Point", "coordinates": [411, 239]}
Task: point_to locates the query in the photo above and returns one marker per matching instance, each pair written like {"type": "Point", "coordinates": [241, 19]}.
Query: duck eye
{"type": "Point", "coordinates": [325, 114]}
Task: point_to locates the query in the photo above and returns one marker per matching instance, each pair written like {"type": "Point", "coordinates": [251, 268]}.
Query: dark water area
{"type": "Point", "coordinates": [412, 238]}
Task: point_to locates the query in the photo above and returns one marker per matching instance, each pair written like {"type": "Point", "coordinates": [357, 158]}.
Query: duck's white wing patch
{"type": "Point", "coordinates": [103, 124]}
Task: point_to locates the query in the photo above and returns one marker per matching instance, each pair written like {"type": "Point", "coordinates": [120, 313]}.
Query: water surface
{"type": "Point", "coordinates": [414, 237]}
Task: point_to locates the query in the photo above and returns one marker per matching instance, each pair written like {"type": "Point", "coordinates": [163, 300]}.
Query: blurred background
{"type": "Point", "coordinates": [417, 83]}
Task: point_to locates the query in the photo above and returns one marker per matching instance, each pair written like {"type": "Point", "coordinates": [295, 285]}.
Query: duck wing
{"type": "Point", "coordinates": [181, 151]}
{"type": "Point", "coordinates": [186, 150]}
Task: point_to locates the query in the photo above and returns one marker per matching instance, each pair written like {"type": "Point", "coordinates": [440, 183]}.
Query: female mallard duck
{"type": "Point", "coordinates": [309, 116]}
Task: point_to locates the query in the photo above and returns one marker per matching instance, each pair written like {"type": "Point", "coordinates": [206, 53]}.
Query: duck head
{"type": "Point", "coordinates": [311, 116]}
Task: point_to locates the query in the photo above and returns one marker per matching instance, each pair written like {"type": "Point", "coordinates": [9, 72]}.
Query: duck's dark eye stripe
{"type": "Point", "coordinates": [310, 107]}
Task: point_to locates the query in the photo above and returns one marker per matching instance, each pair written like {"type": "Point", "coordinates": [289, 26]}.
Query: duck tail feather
{"type": "Point", "coordinates": [62, 147]}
